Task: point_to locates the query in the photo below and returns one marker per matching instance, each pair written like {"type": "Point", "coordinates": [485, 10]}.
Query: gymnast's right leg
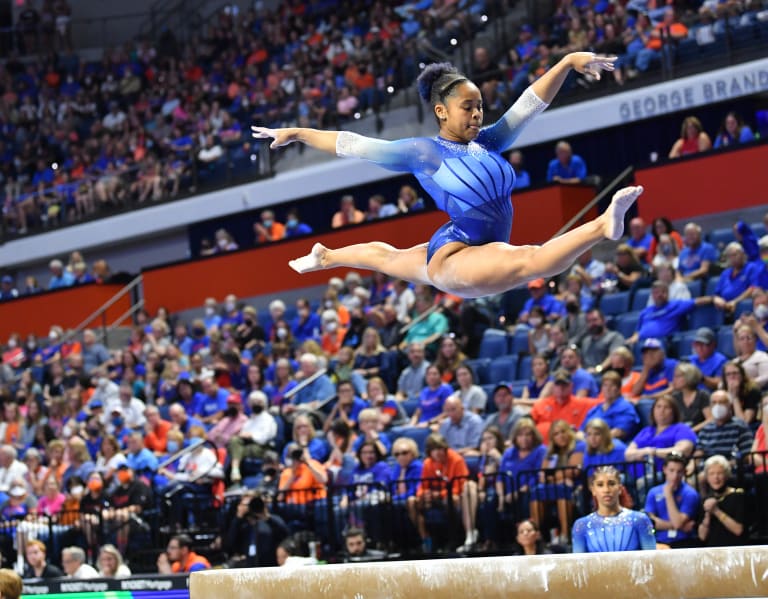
{"type": "Point", "coordinates": [409, 264]}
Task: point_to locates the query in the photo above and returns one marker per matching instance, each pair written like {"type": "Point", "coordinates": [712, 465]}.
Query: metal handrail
{"type": "Point", "coordinates": [104, 334]}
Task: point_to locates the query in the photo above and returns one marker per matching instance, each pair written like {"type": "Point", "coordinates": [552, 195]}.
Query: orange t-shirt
{"type": "Point", "coordinates": [301, 484]}
{"type": "Point", "coordinates": [277, 230]}
{"type": "Point", "coordinates": [454, 467]}
{"type": "Point", "coordinates": [546, 410]}
{"type": "Point", "coordinates": [158, 438]}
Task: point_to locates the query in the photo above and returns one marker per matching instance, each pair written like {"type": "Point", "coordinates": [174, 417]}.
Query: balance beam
{"type": "Point", "coordinates": [672, 574]}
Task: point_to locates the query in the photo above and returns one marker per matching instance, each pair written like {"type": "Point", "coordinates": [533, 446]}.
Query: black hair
{"type": "Point", "coordinates": [437, 81]}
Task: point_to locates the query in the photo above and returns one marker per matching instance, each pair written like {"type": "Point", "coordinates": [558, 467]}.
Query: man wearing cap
{"type": "Point", "coordinates": [7, 290]}
{"type": "Point", "coordinates": [553, 309]}
{"type": "Point", "coordinates": [697, 256]}
{"type": "Point", "coordinates": [210, 401]}
{"type": "Point", "coordinates": [658, 370]}
{"type": "Point", "coordinates": [583, 383]}
{"type": "Point", "coordinates": [230, 424]}
{"type": "Point", "coordinates": [561, 405]}
{"type": "Point", "coordinates": [255, 434]}
{"type": "Point", "coordinates": [723, 435]}
{"type": "Point", "coordinates": [673, 505]}
{"type": "Point", "coordinates": [507, 414]}
{"type": "Point", "coordinates": [707, 359]}
{"type": "Point", "coordinates": [665, 316]}
{"type": "Point", "coordinates": [620, 414]}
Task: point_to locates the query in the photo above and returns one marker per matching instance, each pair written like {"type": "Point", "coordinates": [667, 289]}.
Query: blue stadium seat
{"type": "Point", "coordinates": [711, 285]}
{"type": "Point", "coordinates": [721, 237]}
{"type": "Point", "coordinates": [743, 307]}
{"type": "Point", "coordinates": [488, 388]}
{"type": "Point", "coordinates": [410, 405]}
{"type": "Point", "coordinates": [705, 316]}
{"type": "Point", "coordinates": [626, 324]}
{"type": "Point", "coordinates": [725, 342]}
{"type": "Point", "coordinates": [644, 407]}
{"type": "Point", "coordinates": [518, 342]}
{"type": "Point", "coordinates": [694, 287]}
{"type": "Point", "coordinates": [493, 344]}
{"type": "Point", "coordinates": [480, 367]}
{"type": "Point", "coordinates": [524, 368]}
{"type": "Point", "coordinates": [418, 434]}
{"type": "Point", "coordinates": [758, 228]}
{"type": "Point", "coordinates": [503, 368]}
{"type": "Point", "coordinates": [640, 299]}
{"type": "Point", "coordinates": [517, 387]}
{"type": "Point", "coordinates": [615, 303]}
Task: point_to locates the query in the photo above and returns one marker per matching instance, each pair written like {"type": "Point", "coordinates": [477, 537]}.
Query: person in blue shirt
{"type": "Point", "coordinates": [210, 401]}
{"type": "Point", "coordinates": [431, 399]}
{"type": "Point", "coordinates": [707, 359]}
{"type": "Point", "coordinates": [733, 131]}
{"type": "Point", "coordinates": [697, 256]}
{"type": "Point", "coordinates": [312, 392]}
{"type": "Point", "coordinates": [307, 323]}
{"type": "Point", "coordinates": [523, 179]}
{"type": "Point", "coordinates": [368, 423]}
{"type": "Point", "coordinates": [658, 370]}
{"type": "Point", "coordinates": [567, 167]}
{"type": "Point", "coordinates": [665, 316]}
{"type": "Point", "coordinates": [211, 320]}
{"type": "Point", "coordinates": [406, 471]}
{"type": "Point", "coordinates": [601, 448]}
{"type": "Point", "coordinates": [639, 239]}
{"type": "Point", "coordinates": [584, 384]}
{"type": "Point", "coordinates": [738, 280]}
{"type": "Point", "coordinates": [611, 527]}
{"type": "Point", "coordinates": [59, 277]}
{"type": "Point", "coordinates": [617, 412]}
{"type": "Point", "coordinates": [553, 308]}
{"type": "Point", "coordinates": [463, 170]}
{"type": "Point", "coordinates": [674, 505]}
{"type": "Point", "coordinates": [293, 225]}
{"type": "Point", "coordinates": [348, 406]}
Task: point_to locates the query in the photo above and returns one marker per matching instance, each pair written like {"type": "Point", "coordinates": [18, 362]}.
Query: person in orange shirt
{"type": "Point", "coordinates": [561, 405]}
{"type": "Point", "coordinates": [268, 229]}
{"type": "Point", "coordinates": [156, 429]}
{"type": "Point", "coordinates": [333, 333]}
{"type": "Point", "coordinates": [179, 557]}
{"type": "Point", "coordinates": [303, 480]}
{"type": "Point", "coordinates": [444, 468]}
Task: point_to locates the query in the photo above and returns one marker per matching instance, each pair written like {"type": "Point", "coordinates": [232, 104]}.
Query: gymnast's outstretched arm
{"type": "Point", "coordinates": [535, 99]}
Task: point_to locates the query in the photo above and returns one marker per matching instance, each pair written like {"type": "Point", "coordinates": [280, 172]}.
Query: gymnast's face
{"type": "Point", "coordinates": [461, 116]}
{"type": "Point", "coordinates": [606, 489]}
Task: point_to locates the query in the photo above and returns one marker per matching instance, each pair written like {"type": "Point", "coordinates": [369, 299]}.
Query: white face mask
{"type": "Point", "coordinates": [719, 411]}
{"type": "Point", "coordinates": [534, 322]}
{"type": "Point", "coordinates": [53, 336]}
{"type": "Point", "coordinates": [76, 491]}
{"type": "Point", "coordinates": [11, 343]}
{"type": "Point", "coordinates": [761, 312]}
{"type": "Point", "coordinates": [222, 243]}
{"type": "Point", "coordinates": [282, 333]}
{"type": "Point", "coordinates": [209, 311]}
{"type": "Point", "coordinates": [329, 304]}
{"type": "Point", "coordinates": [230, 306]}
{"type": "Point", "coordinates": [331, 326]}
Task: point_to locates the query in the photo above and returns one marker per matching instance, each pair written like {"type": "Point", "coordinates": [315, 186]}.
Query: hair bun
{"type": "Point", "coordinates": [429, 75]}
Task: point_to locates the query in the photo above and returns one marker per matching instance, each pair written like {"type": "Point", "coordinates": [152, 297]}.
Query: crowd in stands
{"type": "Point", "coordinates": [298, 424]}
{"type": "Point", "coordinates": [155, 119]}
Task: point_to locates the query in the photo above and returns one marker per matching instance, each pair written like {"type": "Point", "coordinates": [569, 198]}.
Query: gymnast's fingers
{"type": "Point", "coordinates": [262, 132]}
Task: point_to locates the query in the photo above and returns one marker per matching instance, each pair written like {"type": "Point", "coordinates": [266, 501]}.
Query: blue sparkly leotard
{"type": "Point", "coordinates": [471, 182]}
{"type": "Point", "coordinates": [627, 531]}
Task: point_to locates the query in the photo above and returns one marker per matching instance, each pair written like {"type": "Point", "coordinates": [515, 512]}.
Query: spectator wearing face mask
{"type": "Point", "coordinates": [293, 225]}
{"type": "Point", "coordinates": [230, 424]}
{"type": "Point", "coordinates": [254, 437]}
{"type": "Point", "coordinates": [307, 324]}
{"type": "Point", "coordinates": [267, 228]}
{"type": "Point", "coordinates": [333, 334]}
{"type": "Point", "coordinates": [212, 320]}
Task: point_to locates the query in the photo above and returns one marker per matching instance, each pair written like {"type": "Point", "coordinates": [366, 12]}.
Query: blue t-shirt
{"type": "Point", "coordinates": [431, 401]}
{"type": "Point", "coordinates": [660, 378]}
{"type": "Point", "coordinates": [205, 405]}
{"type": "Point", "coordinates": [383, 437]}
{"type": "Point", "coordinates": [731, 285]}
{"type": "Point", "coordinates": [690, 259]}
{"type": "Point", "coordinates": [712, 366]}
{"type": "Point", "coordinates": [411, 478]}
{"type": "Point", "coordinates": [575, 168]}
{"type": "Point", "coordinates": [548, 303]}
{"type": "Point", "coordinates": [512, 465]}
{"type": "Point", "coordinates": [144, 461]}
{"type": "Point", "coordinates": [583, 380]}
{"type": "Point", "coordinates": [687, 501]}
{"type": "Point", "coordinates": [620, 414]}
{"type": "Point", "coordinates": [627, 531]}
{"type": "Point", "coordinates": [662, 321]}
{"type": "Point", "coordinates": [647, 437]}
{"type": "Point", "coordinates": [615, 456]}
{"type": "Point", "coordinates": [644, 243]}
{"type": "Point", "coordinates": [378, 473]}
{"type": "Point", "coordinates": [308, 329]}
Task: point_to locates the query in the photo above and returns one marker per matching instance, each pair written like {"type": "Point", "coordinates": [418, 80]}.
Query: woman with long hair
{"type": "Point", "coordinates": [692, 401]}
{"type": "Point", "coordinates": [466, 175]}
{"type": "Point", "coordinates": [693, 139]}
{"type": "Point", "coordinates": [743, 391]}
{"type": "Point", "coordinates": [540, 383]}
{"type": "Point", "coordinates": [611, 527]}
{"type": "Point", "coordinates": [449, 358]}
{"type": "Point", "coordinates": [370, 355]}
{"type": "Point", "coordinates": [473, 397]}
{"type": "Point", "coordinates": [601, 447]}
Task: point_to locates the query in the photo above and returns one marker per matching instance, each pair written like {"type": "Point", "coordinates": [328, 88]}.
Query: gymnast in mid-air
{"type": "Point", "coordinates": [464, 172]}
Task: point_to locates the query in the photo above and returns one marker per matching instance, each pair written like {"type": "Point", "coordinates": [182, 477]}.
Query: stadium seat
{"type": "Point", "coordinates": [410, 405]}
{"type": "Point", "coordinates": [683, 344]}
{"type": "Point", "coordinates": [503, 368]}
{"type": "Point", "coordinates": [518, 342]}
{"type": "Point", "coordinates": [758, 228]}
{"type": "Point", "coordinates": [615, 303]}
{"type": "Point", "coordinates": [644, 407]}
{"type": "Point", "coordinates": [524, 368]}
{"type": "Point", "coordinates": [743, 307]}
{"type": "Point", "coordinates": [418, 434]}
{"type": "Point", "coordinates": [705, 316]}
{"type": "Point", "coordinates": [721, 237]}
{"type": "Point", "coordinates": [517, 387]}
{"type": "Point", "coordinates": [493, 344]}
{"type": "Point", "coordinates": [711, 285]}
{"type": "Point", "coordinates": [640, 299]}
{"type": "Point", "coordinates": [725, 342]}
{"type": "Point", "coordinates": [480, 369]}
{"type": "Point", "coordinates": [694, 287]}
{"type": "Point", "coordinates": [626, 324]}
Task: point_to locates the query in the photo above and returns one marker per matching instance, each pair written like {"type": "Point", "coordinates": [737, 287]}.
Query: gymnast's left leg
{"type": "Point", "coordinates": [409, 264]}
{"type": "Point", "coordinates": [475, 271]}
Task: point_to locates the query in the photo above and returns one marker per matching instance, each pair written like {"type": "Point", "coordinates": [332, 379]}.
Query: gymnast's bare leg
{"type": "Point", "coordinates": [474, 271]}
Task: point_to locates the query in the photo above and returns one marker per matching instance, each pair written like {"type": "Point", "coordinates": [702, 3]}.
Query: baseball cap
{"type": "Point", "coordinates": [501, 386]}
{"type": "Point", "coordinates": [536, 283]}
{"type": "Point", "coordinates": [704, 335]}
{"type": "Point", "coordinates": [562, 376]}
{"type": "Point", "coordinates": [652, 343]}
{"type": "Point", "coordinates": [234, 398]}
{"type": "Point", "coordinates": [17, 491]}
{"type": "Point", "coordinates": [96, 403]}
{"type": "Point", "coordinates": [116, 410]}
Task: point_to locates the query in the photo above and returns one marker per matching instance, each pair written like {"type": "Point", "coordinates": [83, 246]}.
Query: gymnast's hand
{"type": "Point", "coordinates": [589, 63]}
{"type": "Point", "coordinates": [281, 137]}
